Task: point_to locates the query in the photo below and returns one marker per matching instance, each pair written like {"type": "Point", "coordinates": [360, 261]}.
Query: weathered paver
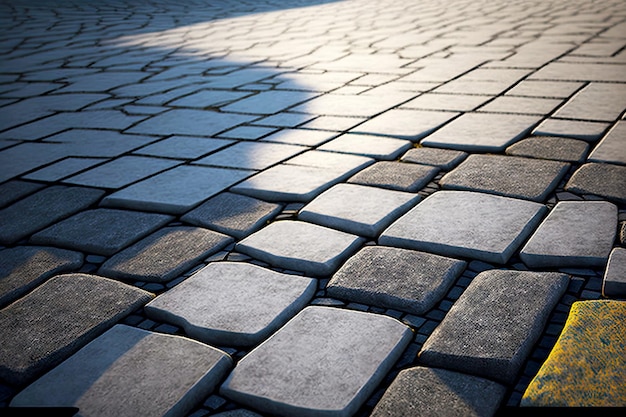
{"type": "Point", "coordinates": [575, 233]}
{"type": "Point", "coordinates": [493, 326]}
{"type": "Point", "coordinates": [395, 176]}
{"type": "Point", "coordinates": [229, 303]}
{"type": "Point", "coordinates": [395, 278]}
{"type": "Point", "coordinates": [554, 148]}
{"type": "Point", "coordinates": [489, 227]}
{"type": "Point", "coordinates": [108, 230]}
{"type": "Point", "coordinates": [587, 366]}
{"type": "Point", "coordinates": [22, 268]}
{"type": "Point", "coordinates": [301, 246]}
{"type": "Point", "coordinates": [509, 176]}
{"type": "Point", "coordinates": [11, 191]}
{"type": "Point", "coordinates": [576, 129]}
{"type": "Point", "coordinates": [406, 124]}
{"type": "Point", "coordinates": [309, 366]}
{"type": "Point", "coordinates": [43, 208]}
{"type": "Point", "coordinates": [612, 149]}
{"type": "Point", "coordinates": [378, 147]}
{"type": "Point", "coordinates": [302, 137]}
{"type": "Point", "coordinates": [614, 283]}
{"type": "Point", "coordinates": [437, 392]}
{"type": "Point", "coordinates": [606, 180]}
{"type": "Point", "coordinates": [442, 158]}
{"type": "Point", "coordinates": [376, 209]}
{"type": "Point", "coordinates": [165, 254]}
{"type": "Point", "coordinates": [117, 373]}
{"type": "Point", "coordinates": [603, 102]}
{"type": "Point", "coordinates": [64, 168]}
{"type": "Point", "coordinates": [56, 319]}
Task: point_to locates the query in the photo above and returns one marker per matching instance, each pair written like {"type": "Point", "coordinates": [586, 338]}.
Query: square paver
{"type": "Point", "coordinates": [407, 124]}
{"type": "Point", "coordinates": [445, 159]}
{"type": "Point", "coordinates": [605, 180]}
{"type": "Point", "coordinates": [252, 155]}
{"type": "Point", "coordinates": [576, 129]}
{"type": "Point", "coordinates": [612, 149]}
{"type": "Point", "coordinates": [63, 169]}
{"type": "Point", "coordinates": [466, 224]}
{"type": "Point", "coordinates": [184, 147]}
{"type": "Point", "coordinates": [11, 191]}
{"type": "Point", "coordinates": [614, 282]}
{"type": "Point", "coordinates": [304, 137]}
{"type": "Point", "coordinates": [348, 105]}
{"type": "Point", "coordinates": [269, 102]}
{"type": "Point", "coordinates": [378, 147]}
{"type": "Point", "coordinates": [395, 176]}
{"type": "Point", "coordinates": [554, 148]}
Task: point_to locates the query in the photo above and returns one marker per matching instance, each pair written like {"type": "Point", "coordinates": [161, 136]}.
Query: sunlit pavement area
{"type": "Point", "coordinates": [312, 208]}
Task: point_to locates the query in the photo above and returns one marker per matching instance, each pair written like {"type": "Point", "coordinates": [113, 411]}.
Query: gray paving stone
{"type": "Point", "coordinates": [57, 318]}
{"type": "Point", "coordinates": [11, 191]}
{"type": "Point", "coordinates": [232, 303]}
{"type": "Point", "coordinates": [24, 267]}
{"type": "Point", "coordinates": [252, 155]}
{"type": "Point", "coordinates": [165, 254]}
{"type": "Point", "coordinates": [395, 176]}
{"type": "Point", "coordinates": [367, 145]}
{"type": "Point", "coordinates": [491, 329]}
{"type": "Point", "coordinates": [43, 208]}
{"type": "Point", "coordinates": [580, 72]}
{"type": "Point", "coordinates": [121, 171]}
{"type": "Point", "coordinates": [537, 88]}
{"type": "Point", "coordinates": [439, 392]}
{"type": "Point", "coordinates": [449, 102]}
{"type": "Point", "coordinates": [602, 102]}
{"type": "Point", "coordinates": [511, 176]}
{"type": "Point", "coordinates": [488, 228]}
{"type": "Point", "coordinates": [324, 361]}
{"type": "Point", "coordinates": [442, 158]}
{"type": "Point", "coordinates": [233, 214]}
{"type": "Point", "coordinates": [576, 129]}
{"type": "Point", "coordinates": [248, 132]}
{"type": "Point", "coordinates": [63, 169]}
{"type": "Point", "coordinates": [337, 208]}
{"type": "Point", "coordinates": [478, 132]}
{"type": "Point", "coordinates": [177, 190]}
{"type": "Point", "coordinates": [575, 234]}
{"type": "Point", "coordinates": [521, 105]}
{"type": "Point", "coordinates": [612, 148]}
{"type": "Point", "coordinates": [301, 246]}
{"type": "Point", "coordinates": [614, 283]}
{"type": "Point", "coordinates": [555, 148]}
{"type": "Point", "coordinates": [395, 278]}
{"type": "Point", "coordinates": [98, 143]}
{"type": "Point", "coordinates": [348, 105]}
{"type": "Point", "coordinates": [270, 102]}
{"type": "Point", "coordinates": [118, 373]}
{"type": "Point", "coordinates": [303, 137]}
{"type": "Point", "coordinates": [407, 124]}
{"type": "Point", "coordinates": [184, 147]}
{"type": "Point", "coordinates": [605, 180]}
{"type": "Point", "coordinates": [108, 230]}
{"type": "Point", "coordinates": [209, 98]}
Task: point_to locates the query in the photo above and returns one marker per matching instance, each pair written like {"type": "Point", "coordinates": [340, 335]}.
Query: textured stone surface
{"type": "Point", "coordinates": [252, 155]}
{"type": "Point", "coordinates": [555, 148]}
{"type": "Point", "coordinates": [24, 267]}
{"type": "Point", "coordinates": [56, 319]}
{"type": "Point", "coordinates": [233, 214]}
{"type": "Point", "coordinates": [228, 303]}
{"type": "Point", "coordinates": [575, 233]}
{"type": "Point", "coordinates": [395, 176]}
{"type": "Point", "coordinates": [378, 147]}
{"type": "Point", "coordinates": [118, 373]}
{"type": "Point", "coordinates": [407, 124]}
{"type": "Point", "coordinates": [587, 366]}
{"type": "Point", "coordinates": [493, 326]}
{"type": "Point", "coordinates": [301, 246]}
{"type": "Point", "coordinates": [439, 392]}
{"type": "Point", "coordinates": [375, 210]}
{"type": "Point", "coordinates": [165, 254]}
{"type": "Point", "coordinates": [395, 278]}
{"type": "Point", "coordinates": [310, 366]}
{"type": "Point", "coordinates": [587, 131]}
{"type": "Point", "coordinates": [184, 147]}
{"type": "Point", "coordinates": [612, 149]}
{"type": "Point", "coordinates": [107, 230]}
{"type": "Point", "coordinates": [614, 283]}
{"type": "Point", "coordinates": [605, 180]}
{"type": "Point", "coordinates": [597, 101]}
{"type": "Point", "coordinates": [442, 158]}
{"type": "Point", "coordinates": [466, 224]}
{"type": "Point", "coordinates": [14, 190]}
{"type": "Point", "coordinates": [43, 208]}
{"type": "Point", "coordinates": [509, 176]}
{"type": "Point", "coordinates": [189, 122]}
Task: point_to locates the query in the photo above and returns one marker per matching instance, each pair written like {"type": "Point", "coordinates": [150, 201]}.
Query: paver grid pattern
{"type": "Point", "coordinates": [168, 110]}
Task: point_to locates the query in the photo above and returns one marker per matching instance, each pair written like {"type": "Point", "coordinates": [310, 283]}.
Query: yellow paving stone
{"type": "Point", "coordinates": [587, 366]}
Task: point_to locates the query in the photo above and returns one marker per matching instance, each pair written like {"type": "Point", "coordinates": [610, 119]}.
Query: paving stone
{"type": "Point", "coordinates": [478, 132]}
{"type": "Point", "coordinates": [325, 360]}
{"type": "Point", "coordinates": [177, 190]}
{"type": "Point", "coordinates": [11, 191]}
{"type": "Point", "coordinates": [334, 123]}
{"type": "Point", "coordinates": [587, 366]}
{"type": "Point", "coordinates": [367, 145]}
{"type": "Point", "coordinates": [575, 234]}
{"type": "Point", "coordinates": [576, 129]}
{"type": "Point", "coordinates": [537, 88]}
{"type": "Point", "coordinates": [442, 158]}
{"type": "Point", "coordinates": [614, 283]}
{"type": "Point", "coordinates": [24, 267]}
{"type": "Point", "coordinates": [449, 102]}
{"type": "Point", "coordinates": [108, 230]}
{"type": "Point", "coordinates": [395, 176]}
{"type": "Point", "coordinates": [377, 208]}
{"type": "Point", "coordinates": [238, 413]}
{"type": "Point", "coordinates": [184, 147]}
{"type": "Point", "coordinates": [510, 176]}
{"type": "Point", "coordinates": [493, 326]}
{"type": "Point", "coordinates": [438, 392]}
{"type": "Point", "coordinates": [395, 278]}
{"type": "Point", "coordinates": [63, 169]}
{"type": "Point", "coordinates": [117, 373]}
{"type": "Point", "coordinates": [300, 137]}
{"type": "Point", "coordinates": [121, 171]}
{"type": "Point", "coordinates": [605, 180]}
{"type": "Point", "coordinates": [270, 102]}
{"type": "Point", "coordinates": [232, 303]}
{"type": "Point", "coordinates": [602, 102]}
{"type": "Point", "coordinates": [407, 124]}
{"type": "Point", "coordinates": [580, 72]}
{"type": "Point", "coordinates": [165, 254]}
{"type": "Point", "coordinates": [301, 246]}
{"type": "Point", "coordinates": [555, 148]}
{"type": "Point", "coordinates": [612, 148]}
{"type": "Point", "coordinates": [209, 98]}
{"type": "Point", "coordinates": [57, 318]}
{"type": "Point", "coordinates": [521, 105]}
{"type": "Point", "coordinates": [252, 155]}
{"type": "Point", "coordinates": [348, 105]}
{"type": "Point", "coordinates": [489, 228]}
{"type": "Point", "coordinates": [42, 209]}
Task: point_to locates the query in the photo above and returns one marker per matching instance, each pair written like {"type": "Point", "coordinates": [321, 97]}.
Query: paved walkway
{"type": "Point", "coordinates": [305, 207]}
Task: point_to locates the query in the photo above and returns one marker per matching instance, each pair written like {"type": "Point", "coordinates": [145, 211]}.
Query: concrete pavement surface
{"type": "Point", "coordinates": [312, 207]}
